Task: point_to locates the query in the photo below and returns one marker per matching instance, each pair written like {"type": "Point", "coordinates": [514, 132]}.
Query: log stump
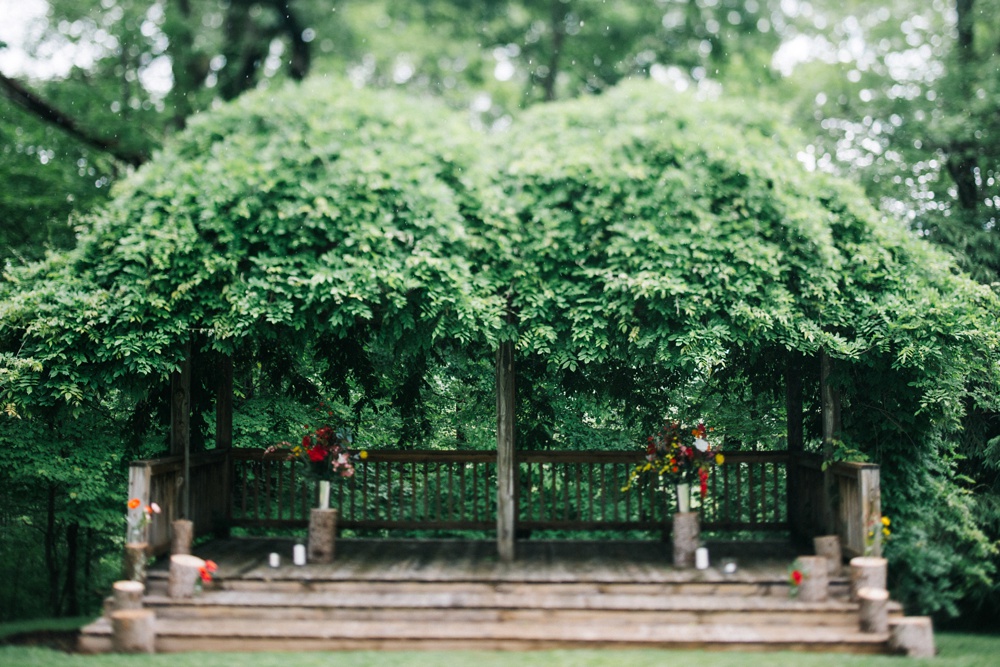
{"type": "Point", "coordinates": [127, 595]}
{"type": "Point", "coordinates": [134, 565]}
{"type": "Point", "coordinates": [815, 578]}
{"type": "Point", "coordinates": [874, 609]}
{"type": "Point", "coordinates": [912, 635]}
{"type": "Point", "coordinates": [182, 534]}
{"type": "Point", "coordinates": [185, 572]}
{"type": "Point", "coordinates": [322, 535]}
{"type": "Point", "coordinates": [867, 572]}
{"type": "Point", "coordinates": [133, 631]}
{"type": "Point", "coordinates": [828, 546]}
{"type": "Point", "coordinates": [686, 538]}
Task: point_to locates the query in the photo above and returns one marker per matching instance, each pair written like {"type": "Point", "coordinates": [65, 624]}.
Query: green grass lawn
{"type": "Point", "coordinates": [955, 650]}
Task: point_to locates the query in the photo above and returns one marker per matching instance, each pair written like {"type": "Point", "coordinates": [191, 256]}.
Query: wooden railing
{"type": "Point", "coordinates": [160, 481]}
{"type": "Point", "coordinates": [430, 490]}
{"type": "Point", "coordinates": [569, 491]}
{"type": "Point", "coordinates": [842, 500]}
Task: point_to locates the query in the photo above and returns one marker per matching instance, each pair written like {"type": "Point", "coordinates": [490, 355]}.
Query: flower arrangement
{"type": "Point", "coordinates": [138, 519]}
{"type": "Point", "coordinates": [878, 532]}
{"type": "Point", "coordinates": [795, 578]}
{"type": "Point", "coordinates": [206, 571]}
{"type": "Point", "coordinates": [323, 455]}
{"type": "Point", "coordinates": [679, 454]}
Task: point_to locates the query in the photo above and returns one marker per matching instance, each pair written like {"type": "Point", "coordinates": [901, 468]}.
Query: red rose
{"type": "Point", "coordinates": [316, 454]}
{"type": "Point", "coordinates": [306, 441]}
{"type": "Point", "coordinates": [796, 577]}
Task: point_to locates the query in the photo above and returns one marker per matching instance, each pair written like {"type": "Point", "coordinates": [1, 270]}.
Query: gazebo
{"type": "Point", "coordinates": [623, 246]}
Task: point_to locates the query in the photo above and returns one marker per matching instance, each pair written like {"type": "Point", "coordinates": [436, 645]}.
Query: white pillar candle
{"type": "Point", "coordinates": [274, 560]}
{"type": "Point", "coordinates": [299, 554]}
{"type": "Point", "coordinates": [701, 558]}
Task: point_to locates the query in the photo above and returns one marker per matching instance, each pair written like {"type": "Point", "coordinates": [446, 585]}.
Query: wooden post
{"type": "Point", "coordinates": [912, 635]}
{"type": "Point", "coordinates": [127, 595]}
{"type": "Point", "coordinates": [133, 631]}
{"type": "Point", "coordinates": [180, 423]}
{"type": "Point", "coordinates": [873, 610]}
{"type": "Point", "coordinates": [185, 570]}
{"type": "Point", "coordinates": [828, 546]}
{"type": "Point", "coordinates": [830, 400]}
{"type": "Point", "coordinates": [685, 536]}
{"type": "Point", "coordinates": [183, 535]}
{"type": "Point", "coordinates": [136, 555]}
{"type": "Point", "coordinates": [322, 534]}
{"type": "Point", "coordinates": [868, 573]}
{"type": "Point", "coordinates": [793, 426]}
{"type": "Point", "coordinates": [815, 581]}
{"type": "Point", "coordinates": [506, 508]}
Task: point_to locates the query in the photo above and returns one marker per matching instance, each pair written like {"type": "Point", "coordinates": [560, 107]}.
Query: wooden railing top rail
{"type": "Point", "coordinates": [486, 456]}
{"type": "Point", "coordinates": [175, 462]}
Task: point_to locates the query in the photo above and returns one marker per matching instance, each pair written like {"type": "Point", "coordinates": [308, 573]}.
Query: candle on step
{"type": "Point", "coordinates": [274, 560]}
{"type": "Point", "coordinates": [299, 554]}
{"type": "Point", "coordinates": [701, 558]}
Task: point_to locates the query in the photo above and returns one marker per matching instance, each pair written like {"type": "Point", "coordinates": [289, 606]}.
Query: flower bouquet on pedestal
{"type": "Point", "coordinates": [324, 455]}
{"type": "Point", "coordinates": [679, 456]}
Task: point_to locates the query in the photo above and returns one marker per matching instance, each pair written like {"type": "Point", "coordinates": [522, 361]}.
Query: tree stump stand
{"type": "Point", "coordinates": [815, 578]}
{"type": "Point", "coordinates": [828, 546]}
{"type": "Point", "coordinates": [133, 631]}
{"type": "Point", "coordinates": [867, 572]}
{"type": "Point", "coordinates": [686, 538]}
{"type": "Point", "coordinates": [134, 566]}
{"type": "Point", "coordinates": [185, 572]}
{"type": "Point", "coordinates": [912, 635]}
{"type": "Point", "coordinates": [322, 535]}
{"type": "Point", "coordinates": [874, 609]}
{"type": "Point", "coordinates": [182, 534]}
{"type": "Point", "coordinates": [127, 595]}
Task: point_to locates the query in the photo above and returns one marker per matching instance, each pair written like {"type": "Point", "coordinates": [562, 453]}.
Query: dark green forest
{"type": "Point", "coordinates": [657, 201]}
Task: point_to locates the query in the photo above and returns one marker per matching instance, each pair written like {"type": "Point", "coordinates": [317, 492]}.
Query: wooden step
{"type": "Point", "coordinates": [304, 635]}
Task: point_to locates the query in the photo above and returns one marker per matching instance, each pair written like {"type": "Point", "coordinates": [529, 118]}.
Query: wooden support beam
{"type": "Point", "coordinates": [506, 507]}
{"type": "Point", "coordinates": [830, 399]}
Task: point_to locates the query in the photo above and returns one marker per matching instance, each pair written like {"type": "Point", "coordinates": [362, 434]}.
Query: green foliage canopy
{"type": "Point", "coordinates": [642, 232]}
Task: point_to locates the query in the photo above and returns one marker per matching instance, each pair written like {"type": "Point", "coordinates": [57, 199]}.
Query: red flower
{"type": "Point", "coordinates": [306, 442]}
{"type": "Point", "coordinates": [797, 577]}
{"type": "Point", "coordinates": [316, 454]}
{"type": "Point", "coordinates": [211, 566]}
{"type": "Point", "coordinates": [135, 502]}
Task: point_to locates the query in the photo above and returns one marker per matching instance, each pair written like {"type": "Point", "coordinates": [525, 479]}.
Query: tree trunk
{"type": "Point", "coordinates": [558, 37]}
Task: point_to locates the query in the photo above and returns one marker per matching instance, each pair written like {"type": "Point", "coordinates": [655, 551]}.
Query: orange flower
{"type": "Point", "coordinates": [135, 502]}
{"type": "Point", "coordinates": [211, 566]}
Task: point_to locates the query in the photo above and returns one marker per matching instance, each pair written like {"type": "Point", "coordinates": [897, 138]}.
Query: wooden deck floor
{"type": "Point", "coordinates": [473, 560]}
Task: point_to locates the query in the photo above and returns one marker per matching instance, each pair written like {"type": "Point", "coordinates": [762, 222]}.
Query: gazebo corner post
{"type": "Point", "coordinates": [795, 443]}
{"type": "Point", "coordinates": [506, 505]}
{"type": "Point", "coordinates": [830, 401]}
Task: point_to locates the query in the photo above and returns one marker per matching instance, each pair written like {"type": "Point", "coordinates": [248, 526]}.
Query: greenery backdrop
{"type": "Point", "coordinates": [646, 248]}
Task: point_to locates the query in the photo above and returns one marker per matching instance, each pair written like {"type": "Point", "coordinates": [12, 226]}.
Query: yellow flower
{"type": "Point", "coordinates": [885, 521]}
{"type": "Point", "coordinates": [719, 459]}
{"type": "Point", "coordinates": [886, 532]}
{"type": "Point", "coordinates": [363, 454]}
